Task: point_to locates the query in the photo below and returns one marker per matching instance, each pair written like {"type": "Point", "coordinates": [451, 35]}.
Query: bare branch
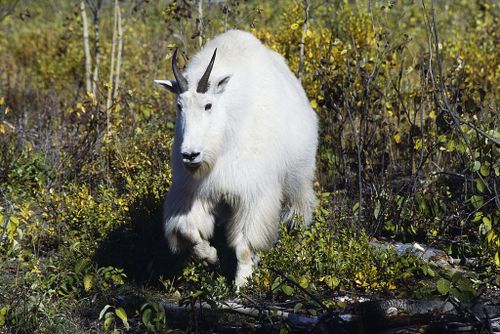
{"type": "Point", "coordinates": [88, 57]}
{"type": "Point", "coordinates": [119, 55]}
{"type": "Point", "coordinates": [97, 51]}
{"type": "Point", "coordinates": [111, 67]}
{"type": "Point", "coordinates": [480, 132]}
{"type": "Point", "coordinates": [200, 23]}
{"type": "Point", "coordinates": [302, 40]}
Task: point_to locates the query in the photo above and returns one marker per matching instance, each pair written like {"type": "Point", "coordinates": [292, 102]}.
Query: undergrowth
{"type": "Point", "coordinates": [407, 98]}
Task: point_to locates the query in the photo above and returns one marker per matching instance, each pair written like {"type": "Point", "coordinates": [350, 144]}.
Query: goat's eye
{"type": "Point", "coordinates": [208, 106]}
{"type": "Point", "coordinates": [179, 106]}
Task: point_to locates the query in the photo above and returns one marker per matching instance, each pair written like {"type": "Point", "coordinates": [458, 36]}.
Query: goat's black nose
{"type": "Point", "coordinates": [190, 156]}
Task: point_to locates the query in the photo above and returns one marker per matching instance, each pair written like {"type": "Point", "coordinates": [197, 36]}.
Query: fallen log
{"type": "Point", "coordinates": [367, 317]}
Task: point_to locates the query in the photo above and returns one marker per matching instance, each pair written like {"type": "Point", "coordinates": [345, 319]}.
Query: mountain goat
{"type": "Point", "coordinates": [245, 136]}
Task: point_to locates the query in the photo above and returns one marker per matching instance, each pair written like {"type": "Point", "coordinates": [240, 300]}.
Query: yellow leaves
{"type": "Point", "coordinates": [4, 125]}
{"type": "Point", "coordinates": [491, 237]}
{"type": "Point", "coordinates": [92, 98]}
{"type": "Point", "coordinates": [388, 108]}
{"type": "Point", "coordinates": [88, 281]}
{"type": "Point", "coordinates": [418, 144]}
{"type": "Point", "coordinates": [359, 278]}
{"type": "Point", "coordinates": [294, 26]}
{"type": "Point", "coordinates": [497, 259]}
{"type": "Point", "coordinates": [331, 281]}
{"type": "Point", "coordinates": [314, 104]}
{"type": "Point", "coordinates": [371, 280]}
{"type": "Point", "coordinates": [397, 137]}
{"type": "Point", "coordinates": [120, 312]}
{"type": "Point", "coordinates": [36, 269]}
{"type": "Point", "coordinates": [432, 115]}
{"type": "Point", "coordinates": [80, 107]}
{"type": "Point", "coordinates": [12, 227]}
{"type": "Point", "coordinates": [25, 211]}
{"type": "Point", "coordinates": [6, 111]}
{"type": "Point", "coordinates": [486, 224]}
{"type": "Point", "coordinates": [304, 281]}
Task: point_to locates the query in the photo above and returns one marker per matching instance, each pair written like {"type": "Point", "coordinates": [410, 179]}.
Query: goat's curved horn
{"type": "Point", "coordinates": [203, 83]}
{"type": "Point", "coordinates": [181, 80]}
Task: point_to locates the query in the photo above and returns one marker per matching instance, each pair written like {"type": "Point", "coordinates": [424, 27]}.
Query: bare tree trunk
{"type": "Point", "coordinates": [88, 57]}
{"type": "Point", "coordinates": [226, 11]}
{"type": "Point", "coordinates": [302, 40]}
{"type": "Point", "coordinates": [359, 147]}
{"type": "Point", "coordinates": [200, 23]}
{"type": "Point", "coordinates": [111, 69]}
{"type": "Point", "coordinates": [95, 77]}
{"type": "Point", "coordinates": [120, 48]}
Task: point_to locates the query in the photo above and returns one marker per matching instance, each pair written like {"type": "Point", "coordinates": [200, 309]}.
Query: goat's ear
{"type": "Point", "coordinates": [221, 83]}
{"type": "Point", "coordinates": [171, 85]}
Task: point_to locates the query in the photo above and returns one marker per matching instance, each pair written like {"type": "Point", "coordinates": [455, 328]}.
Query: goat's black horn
{"type": "Point", "coordinates": [181, 80]}
{"type": "Point", "coordinates": [203, 83]}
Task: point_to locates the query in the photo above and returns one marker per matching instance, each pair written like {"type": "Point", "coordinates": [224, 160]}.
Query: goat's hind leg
{"type": "Point", "coordinates": [245, 257]}
{"type": "Point", "coordinates": [259, 229]}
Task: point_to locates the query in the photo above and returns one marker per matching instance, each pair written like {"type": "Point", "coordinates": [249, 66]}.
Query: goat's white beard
{"type": "Point", "coordinates": [204, 168]}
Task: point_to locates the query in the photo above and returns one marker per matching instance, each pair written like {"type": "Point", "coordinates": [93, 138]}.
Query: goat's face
{"type": "Point", "coordinates": [201, 118]}
{"type": "Point", "coordinates": [201, 127]}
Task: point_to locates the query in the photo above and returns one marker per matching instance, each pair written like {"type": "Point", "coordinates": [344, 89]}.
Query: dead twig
{"type": "Point", "coordinates": [88, 57]}
{"type": "Point", "coordinates": [310, 295]}
{"type": "Point", "coordinates": [302, 39]}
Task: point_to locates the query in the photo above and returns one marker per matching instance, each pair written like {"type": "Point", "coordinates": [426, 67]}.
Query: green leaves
{"type": "Point", "coordinates": [65, 188]}
{"type": "Point", "coordinates": [476, 166]}
{"type": "Point", "coordinates": [484, 170]}
{"type": "Point", "coordinates": [108, 314]}
{"type": "Point", "coordinates": [120, 313]}
{"type": "Point", "coordinates": [153, 317]}
{"type": "Point", "coordinates": [3, 312]}
{"type": "Point", "coordinates": [287, 290]}
{"type": "Point", "coordinates": [443, 286]}
{"type": "Point", "coordinates": [280, 286]}
{"type": "Point", "coordinates": [456, 283]}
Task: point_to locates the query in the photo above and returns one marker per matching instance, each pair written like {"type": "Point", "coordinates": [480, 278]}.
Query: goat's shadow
{"type": "Point", "coordinates": [141, 250]}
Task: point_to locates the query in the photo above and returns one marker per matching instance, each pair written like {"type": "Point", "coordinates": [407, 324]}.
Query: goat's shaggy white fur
{"type": "Point", "coordinates": [257, 137]}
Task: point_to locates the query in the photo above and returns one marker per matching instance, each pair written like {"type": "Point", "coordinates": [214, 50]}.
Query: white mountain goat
{"type": "Point", "coordinates": [245, 136]}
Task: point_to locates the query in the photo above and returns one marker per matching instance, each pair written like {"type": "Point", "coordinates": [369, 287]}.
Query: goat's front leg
{"type": "Point", "coordinates": [190, 224]}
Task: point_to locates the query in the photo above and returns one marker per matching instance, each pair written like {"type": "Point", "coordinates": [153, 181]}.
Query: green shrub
{"type": "Point", "coordinates": [408, 150]}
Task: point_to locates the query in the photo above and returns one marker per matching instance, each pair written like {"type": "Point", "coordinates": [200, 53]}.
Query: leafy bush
{"type": "Point", "coordinates": [409, 149]}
